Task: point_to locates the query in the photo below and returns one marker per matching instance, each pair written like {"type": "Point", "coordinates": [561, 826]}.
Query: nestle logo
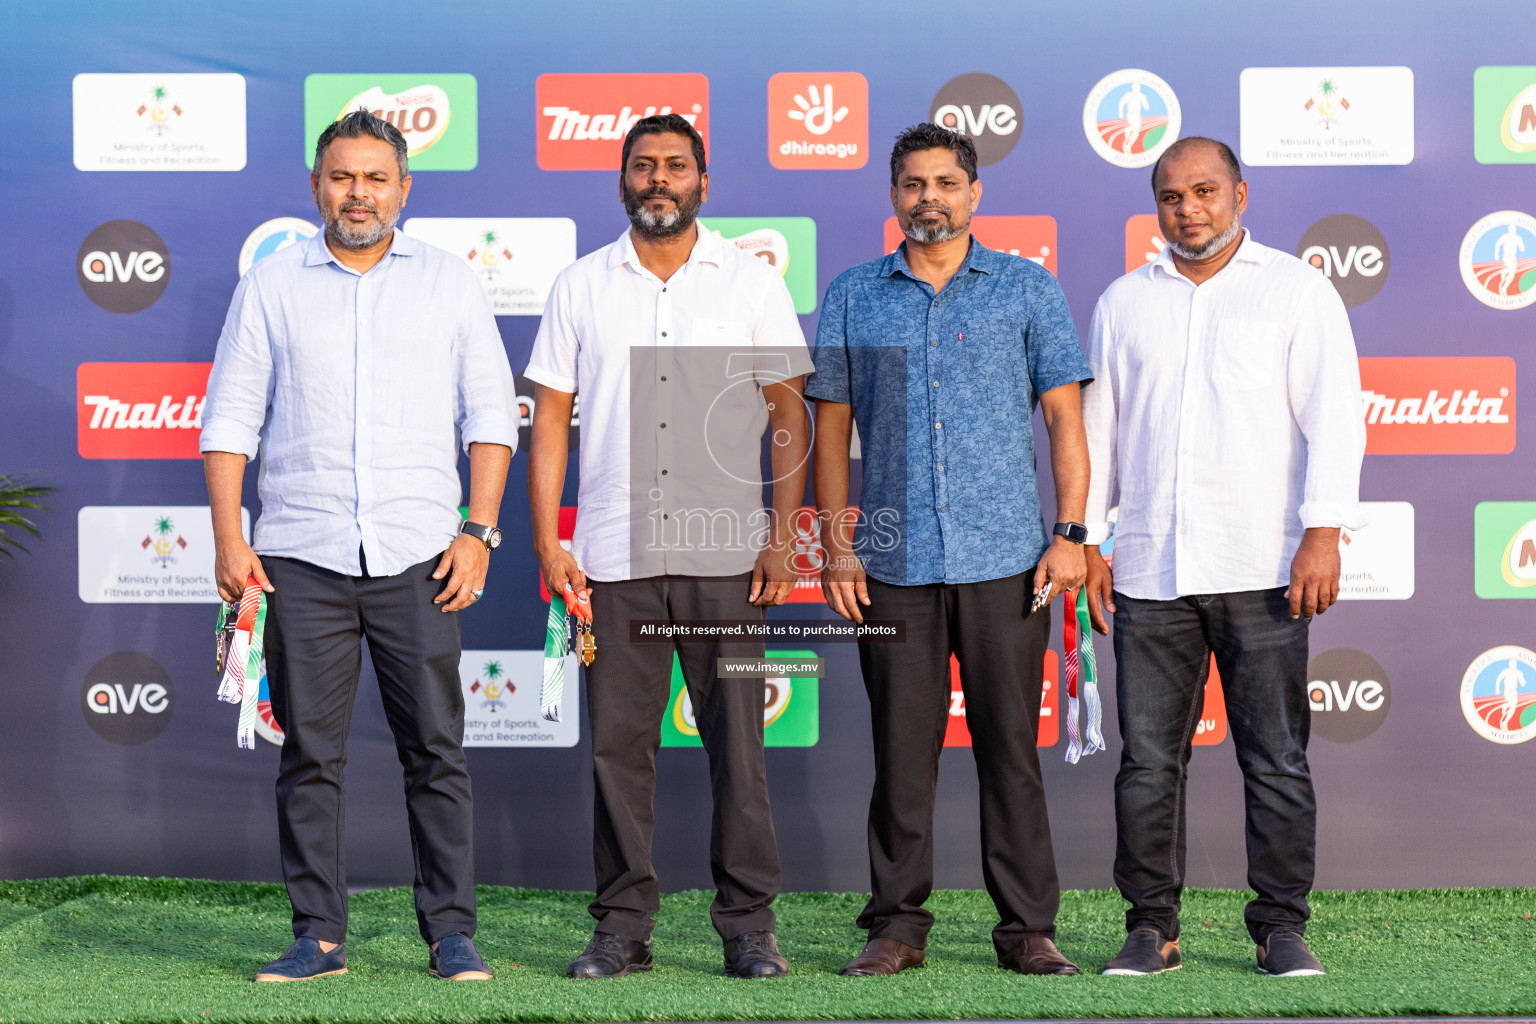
{"type": "Point", "coordinates": [140, 410]}
{"type": "Point", "coordinates": [582, 119]}
{"type": "Point", "coordinates": [1438, 405]}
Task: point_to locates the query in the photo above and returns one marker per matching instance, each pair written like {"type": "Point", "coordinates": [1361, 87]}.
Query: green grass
{"type": "Point", "coordinates": [130, 949]}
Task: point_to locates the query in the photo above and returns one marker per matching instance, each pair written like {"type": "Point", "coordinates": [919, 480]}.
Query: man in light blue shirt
{"type": "Point", "coordinates": [356, 363]}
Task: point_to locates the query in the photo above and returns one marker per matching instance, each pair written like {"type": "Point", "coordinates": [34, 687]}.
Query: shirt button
{"type": "Point", "coordinates": [663, 472]}
{"type": "Point", "coordinates": [935, 383]}
{"type": "Point", "coordinates": [941, 469]}
{"type": "Point", "coordinates": [663, 426]}
{"type": "Point", "coordinates": [938, 426]}
{"type": "Point", "coordinates": [935, 344]}
{"type": "Point", "coordinates": [1182, 451]}
{"type": "Point", "coordinates": [663, 334]}
{"type": "Point", "coordinates": [663, 515]}
{"type": "Point", "coordinates": [363, 322]}
{"type": "Point", "coordinates": [663, 378]}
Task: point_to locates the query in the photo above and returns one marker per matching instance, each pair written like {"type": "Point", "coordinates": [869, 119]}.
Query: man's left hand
{"type": "Point", "coordinates": [1315, 573]}
{"type": "Point", "coordinates": [773, 577]}
{"type": "Point", "coordinates": [1063, 566]}
{"type": "Point", "coordinates": [465, 564]}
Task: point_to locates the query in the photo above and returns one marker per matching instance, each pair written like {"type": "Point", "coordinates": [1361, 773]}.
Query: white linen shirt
{"type": "Point", "coordinates": [354, 388]}
{"type": "Point", "coordinates": [607, 313]}
{"type": "Point", "coordinates": [1224, 420]}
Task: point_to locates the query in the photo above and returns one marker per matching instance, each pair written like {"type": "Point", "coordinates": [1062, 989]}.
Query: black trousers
{"type": "Point", "coordinates": [1001, 650]}
{"type": "Point", "coordinates": [628, 686]}
{"type": "Point", "coordinates": [316, 620]}
{"type": "Point", "coordinates": [1162, 657]}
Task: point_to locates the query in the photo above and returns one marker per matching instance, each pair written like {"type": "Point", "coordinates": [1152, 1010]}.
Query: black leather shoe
{"type": "Point", "coordinates": [754, 955]}
{"type": "Point", "coordinates": [611, 956]}
{"type": "Point", "coordinates": [1285, 955]}
{"type": "Point", "coordinates": [456, 959]}
{"type": "Point", "coordinates": [1036, 955]}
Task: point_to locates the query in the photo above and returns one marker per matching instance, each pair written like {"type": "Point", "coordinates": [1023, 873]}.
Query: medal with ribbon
{"type": "Point", "coordinates": [560, 640]}
{"type": "Point", "coordinates": [238, 657]}
{"type": "Point", "coordinates": [1082, 676]}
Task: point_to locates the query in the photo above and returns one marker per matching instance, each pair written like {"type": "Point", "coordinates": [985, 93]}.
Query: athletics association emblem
{"type": "Point", "coordinates": [1498, 260]}
{"type": "Point", "coordinates": [1498, 695]}
{"type": "Point", "coordinates": [1130, 117]}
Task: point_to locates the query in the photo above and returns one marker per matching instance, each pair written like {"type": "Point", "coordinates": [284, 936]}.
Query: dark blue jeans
{"type": "Point", "coordinates": [1162, 657]}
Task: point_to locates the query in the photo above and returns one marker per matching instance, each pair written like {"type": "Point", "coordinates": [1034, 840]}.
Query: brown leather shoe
{"type": "Point", "coordinates": [1036, 955]}
{"type": "Point", "coordinates": [884, 956]}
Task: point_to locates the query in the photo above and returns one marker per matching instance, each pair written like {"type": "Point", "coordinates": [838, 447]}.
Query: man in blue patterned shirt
{"type": "Point", "coordinates": [940, 352]}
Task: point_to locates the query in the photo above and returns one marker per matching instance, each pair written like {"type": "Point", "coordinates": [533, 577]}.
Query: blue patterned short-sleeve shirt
{"type": "Point", "coordinates": [944, 388]}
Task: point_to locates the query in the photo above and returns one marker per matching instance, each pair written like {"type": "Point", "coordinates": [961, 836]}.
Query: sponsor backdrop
{"type": "Point", "coordinates": [157, 152]}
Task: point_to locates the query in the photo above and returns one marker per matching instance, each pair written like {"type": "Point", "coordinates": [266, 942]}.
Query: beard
{"type": "Point", "coordinates": [359, 236]}
{"type": "Point", "coordinates": [650, 224]}
{"type": "Point", "coordinates": [934, 233]}
{"type": "Point", "coordinates": [1212, 246]}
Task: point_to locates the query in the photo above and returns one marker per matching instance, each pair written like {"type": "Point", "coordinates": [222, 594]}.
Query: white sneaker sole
{"type": "Point", "coordinates": [1302, 972]}
{"type": "Point", "coordinates": [1127, 972]}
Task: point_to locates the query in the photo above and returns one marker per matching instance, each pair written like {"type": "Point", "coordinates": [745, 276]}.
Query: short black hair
{"type": "Point", "coordinates": [1225, 151]}
{"type": "Point", "coordinates": [664, 124]}
{"type": "Point", "coordinates": [361, 123]}
{"type": "Point", "coordinates": [933, 136]}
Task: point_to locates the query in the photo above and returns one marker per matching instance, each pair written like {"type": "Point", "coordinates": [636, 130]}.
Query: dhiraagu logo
{"type": "Point", "coordinates": [1504, 115]}
{"type": "Point", "coordinates": [437, 114]}
{"type": "Point", "coordinates": [788, 244]}
{"type": "Point", "coordinates": [791, 708]}
{"type": "Point", "coordinates": [1505, 543]}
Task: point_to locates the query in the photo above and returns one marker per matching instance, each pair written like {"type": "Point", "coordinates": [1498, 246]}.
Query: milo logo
{"type": "Point", "coordinates": [421, 113]}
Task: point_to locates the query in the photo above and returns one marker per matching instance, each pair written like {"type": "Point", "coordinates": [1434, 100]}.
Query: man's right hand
{"type": "Point", "coordinates": [1101, 589]}
{"type": "Point", "coordinates": [843, 584]}
{"type": "Point", "coordinates": [559, 568]}
{"type": "Point", "coordinates": [233, 562]}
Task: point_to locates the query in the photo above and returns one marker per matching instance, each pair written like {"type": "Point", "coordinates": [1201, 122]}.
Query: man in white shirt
{"type": "Point", "coordinates": [357, 363]}
{"type": "Point", "coordinates": [683, 349]}
{"type": "Point", "coordinates": [1226, 426]}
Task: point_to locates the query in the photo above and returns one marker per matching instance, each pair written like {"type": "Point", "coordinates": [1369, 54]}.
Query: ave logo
{"type": "Point", "coordinates": [1351, 252]}
{"type": "Point", "coordinates": [1349, 694]}
{"type": "Point", "coordinates": [123, 266]}
{"type": "Point", "coordinates": [985, 109]}
{"type": "Point", "coordinates": [127, 698]}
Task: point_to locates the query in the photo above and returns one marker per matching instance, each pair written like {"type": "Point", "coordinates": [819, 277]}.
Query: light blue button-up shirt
{"type": "Point", "coordinates": [357, 389]}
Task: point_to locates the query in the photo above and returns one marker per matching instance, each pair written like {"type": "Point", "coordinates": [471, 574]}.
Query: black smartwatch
{"type": "Point", "coordinates": [489, 534]}
{"type": "Point", "coordinates": [1077, 533]}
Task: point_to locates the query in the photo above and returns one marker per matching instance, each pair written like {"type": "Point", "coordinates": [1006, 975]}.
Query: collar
{"type": "Point", "coordinates": [318, 252]}
{"type": "Point", "coordinates": [977, 257]}
{"type": "Point", "coordinates": [1248, 252]}
{"type": "Point", "coordinates": [709, 247]}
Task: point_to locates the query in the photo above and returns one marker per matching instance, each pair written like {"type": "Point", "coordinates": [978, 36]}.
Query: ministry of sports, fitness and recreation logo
{"type": "Point", "coordinates": [127, 698]}
{"type": "Point", "coordinates": [1349, 694]}
{"type": "Point", "coordinates": [1498, 260]}
{"type": "Point", "coordinates": [1351, 252]}
{"type": "Point", "coordinates": [1504, 115]}
{"type": "Point", "coordinates": [123, 266]}
{"type": "Point", "coordinates": [162, 543]}
{"type": "Point", "coordinates": [273, 236]}
{"type": "Point", "coordinates": [787, 244]}
{"type": "Point", "coordinates": [985, 109]}
{"type": "Point", "coordinates": [1505, 545]}
{"type": "Point", "coordinates": [437, 114]}
{"type": "Point", "coordinates": [1498, 694]}
{"type": "Point", "coordinates": [147, 554]}
{"type": "Point", "coordinates": [155, 122]}
{"type": "Point", "coordinates": [1130, 117]}
{"type": "Point", "coordinates": [490, 687]}
{"type": "Point", "coordinates": [515, 258]}
{"type": "Point", "coordinates": [501, 700]}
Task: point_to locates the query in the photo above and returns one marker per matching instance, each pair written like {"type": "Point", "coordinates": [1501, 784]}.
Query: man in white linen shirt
{"type": "Point", "coordinates": [1226, 426]}
{"type": "Point", "coordinates": [683, 349]}
{"type": "Point", "coordinates": [356, 363]}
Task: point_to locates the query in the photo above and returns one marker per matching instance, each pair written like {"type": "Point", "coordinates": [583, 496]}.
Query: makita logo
{"type": "Point", "coordinates": [140, 410]}
{"type": "Point", "coordinates": [172, 413]}
{"type": "Point", "coordinates": [1438, 405]}
{"type": "Point", "coordinates": [582, 119]}
{"type": "Point", "coordinates": [1434, 408]}
{"type": "Point", "coordinates": [573, 124]}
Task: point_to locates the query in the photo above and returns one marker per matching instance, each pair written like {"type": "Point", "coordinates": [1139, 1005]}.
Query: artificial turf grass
{"type": "Point", "coordinates": [129, 949]}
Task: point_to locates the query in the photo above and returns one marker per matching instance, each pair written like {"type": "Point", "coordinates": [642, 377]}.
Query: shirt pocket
{"type": "Point", "coordinates": [1248, 354]}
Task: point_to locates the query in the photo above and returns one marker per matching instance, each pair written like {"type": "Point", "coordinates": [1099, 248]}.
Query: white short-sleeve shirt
{"type": "Point", "coordinates": [672, 413]}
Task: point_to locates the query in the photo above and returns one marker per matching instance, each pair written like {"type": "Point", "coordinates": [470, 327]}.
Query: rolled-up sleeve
{"type": "Point", "coordinates": [487, 398]}
{"type": "Point", "coordinates": [240, 386]}
{"type": "Point", "coordinates": [831, 383]}
{"type": "Point", "coordinates": [555, 349]}
{"type": "Point", "coordinates": [1324, 381]}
